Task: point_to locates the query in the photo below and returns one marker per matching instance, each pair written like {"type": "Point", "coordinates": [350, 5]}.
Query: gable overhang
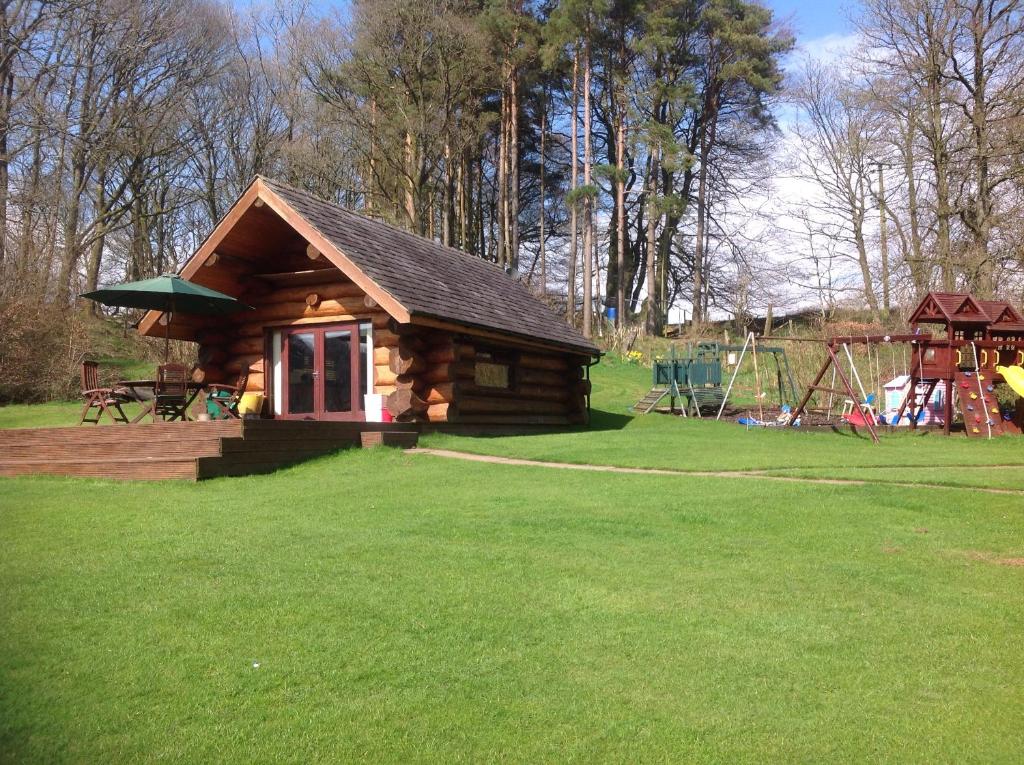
{"type": "Point", "coordinates": [260, 194]}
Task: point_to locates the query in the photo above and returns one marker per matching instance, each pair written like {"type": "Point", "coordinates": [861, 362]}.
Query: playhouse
{"type": "Point", "coordinates": [930, 411]}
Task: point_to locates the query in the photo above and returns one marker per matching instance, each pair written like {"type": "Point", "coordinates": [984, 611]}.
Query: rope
{"type": "Point", "coordinates": [831, 395]}
{"type": "Point", "coordinates": [739, 361]}
{"type": "Point", "coordinates": [981, 391]}
{"type": "Point", "coordinates": [856, 376]}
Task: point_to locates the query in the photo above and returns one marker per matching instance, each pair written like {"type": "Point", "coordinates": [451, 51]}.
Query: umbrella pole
{"type": "Point", "coordinates": [167, 331]}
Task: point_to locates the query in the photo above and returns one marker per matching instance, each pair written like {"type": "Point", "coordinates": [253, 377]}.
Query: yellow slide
{"type": "Point", "coordinates": [1014, 377]}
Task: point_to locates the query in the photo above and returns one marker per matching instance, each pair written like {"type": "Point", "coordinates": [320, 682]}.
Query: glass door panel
{"type": "Point", "coordinates": [338, 371]}
{"type": "Point", "coordinates": [302, 372]}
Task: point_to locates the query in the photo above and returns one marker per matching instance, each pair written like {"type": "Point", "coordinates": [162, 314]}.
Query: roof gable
{"type": "Point", "coordinates": [1001, 312]}
{"type": "Point", "coordinates": [949, 308]}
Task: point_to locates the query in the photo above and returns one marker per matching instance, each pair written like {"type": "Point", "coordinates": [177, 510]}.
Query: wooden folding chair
{"type": "Point", "coordinates": [103, 400]}
{"type": "Point", "coordinates": [222, 400]}
{"type": "Point", "coordinates": [171, 392]}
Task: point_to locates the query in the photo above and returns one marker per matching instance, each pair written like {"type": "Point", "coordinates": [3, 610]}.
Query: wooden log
{"type": "Point", "coordinates": [537, 361]}
{"type": "Point", "coordinates": [313, 300]}
{"type": "Point", "coordinates": [346, 309]}
{"type": "Point", "coordinates": [246, 346]}
{"type": "Point", "coordinates": [236, 364]}
{"type": "Point", "coordinates": [495, 405]}
{"type": "Point", "coordinates": [442, 393]}
{"type": "Point", "coordinates": [384, 338]}
{"type": "Point", "coordinates": [410, 382]}
{"type": "Point", "coordinates": [211, 355]}
{"type": "Point", "coordinates": [369, 302]}
{"type": "Point", "coordinates": [583, 387]}
{"type": "Point", "coordinates": [402, 329]}
{"type": "Point", "coordinates": [405, 404]}
{"type": "Point", "coordinates": [330, 289]}
{"type": "Point", "coordinates": [439, 373]}
{"type": "Point", "coordinates": [208, 373]}
{"type": "Point", "coordinates": [214, 336]}
{"type": "Point", "coordinates": [383, 376]}
{"type": "Point", "coordinates": [442, 412]}
{"type": "Point", "coordinates": [312, 252]}
{"type": "Point", "coordinates": [254, 290]}
{"type": "Point", "coordinates": [544, 392]}
{"type": "Point", "coordinates": [541, 377]}
{"type": "Point", "coordinates": [381, 356]}
{"type": "Point", "coordinates": [404, 359]}
{"type": "Point", "coordinates": [254, 382]}
{"type": "Point", "coordinates": [384, 390]}
{"type": "Point", "coordinates": [257, 328]}
{"type": "Point", "coordinates": [446, 353]}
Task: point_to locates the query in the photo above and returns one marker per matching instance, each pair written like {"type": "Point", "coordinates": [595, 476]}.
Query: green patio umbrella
{"type": "Point", "coordinates": [171, 294]}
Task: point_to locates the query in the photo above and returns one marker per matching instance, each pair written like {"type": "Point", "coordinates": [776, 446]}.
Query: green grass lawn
{"type": "Point", "coordinates": [662, 441]}
{"type": "Point", "coordinates": [429, 617]}
{"type": "Point", "coordinates": [382, 606]}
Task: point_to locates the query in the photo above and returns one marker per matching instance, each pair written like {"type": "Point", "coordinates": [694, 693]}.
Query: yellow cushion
{"type": "Point", "coordinates": [251, 403]}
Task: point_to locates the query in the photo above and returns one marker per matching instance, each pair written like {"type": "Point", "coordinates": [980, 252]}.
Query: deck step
{"type": "Point", "coordinates": [184, 450]}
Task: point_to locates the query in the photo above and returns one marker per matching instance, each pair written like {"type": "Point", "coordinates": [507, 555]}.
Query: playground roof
{"type": "Point", "coordinates": [1003, 315]}
{"type": "Point", "coordinates": [949, 308]}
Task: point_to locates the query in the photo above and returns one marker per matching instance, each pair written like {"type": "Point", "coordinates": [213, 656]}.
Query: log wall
{"type": "Point", "coordinates": [427, 376]}
{"type": "Point", "coordinates": [435, 382]}
{"type": "Point", "coordinates": [236, 343]}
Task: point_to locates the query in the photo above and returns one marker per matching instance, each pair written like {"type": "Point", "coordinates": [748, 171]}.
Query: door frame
{"type": "Point", "coordinates": [356, 412]}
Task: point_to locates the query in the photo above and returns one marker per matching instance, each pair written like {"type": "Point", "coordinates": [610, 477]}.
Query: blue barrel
{"type": "Point", "coordinates": [611, 312]}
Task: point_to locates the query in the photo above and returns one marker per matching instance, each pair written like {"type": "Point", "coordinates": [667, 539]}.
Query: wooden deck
{"type": "Point", "coordinates": [185, 450]}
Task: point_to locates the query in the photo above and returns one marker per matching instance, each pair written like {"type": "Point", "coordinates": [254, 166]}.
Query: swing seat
{"type": "Point", "coordinates": [856, 418]}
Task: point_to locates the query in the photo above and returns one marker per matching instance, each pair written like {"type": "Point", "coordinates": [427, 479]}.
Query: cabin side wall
{"type": "Point", "coordinates": [447, 378]}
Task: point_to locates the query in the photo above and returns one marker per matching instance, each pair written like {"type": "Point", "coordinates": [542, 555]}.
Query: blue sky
{"type": "Point", "coordinates": [813, 19]}
{"type": "Point", "coordinates": [810, 19]}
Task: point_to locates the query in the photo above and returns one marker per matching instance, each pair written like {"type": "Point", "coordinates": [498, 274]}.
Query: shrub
{"type": "Point", "coordinates": [42, 347]}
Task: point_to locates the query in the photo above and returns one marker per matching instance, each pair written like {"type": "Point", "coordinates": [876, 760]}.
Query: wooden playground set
{"type": "Point", "coordinates": [960, 349]}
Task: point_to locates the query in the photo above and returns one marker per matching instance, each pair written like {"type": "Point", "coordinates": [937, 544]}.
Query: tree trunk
{"type": "Point", "coordinates": [654, 324]}
{"type": "Point", "coordinates": [588, 218]}
{"type": "Point", "coordinates": [570, 286]}
{"type": "Point", "coordinates": [543, 199]}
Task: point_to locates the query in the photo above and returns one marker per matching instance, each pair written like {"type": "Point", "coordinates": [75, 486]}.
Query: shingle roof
{"type": "Point", "coordinates": [429, 279]}
{"type": "Point", "coordinates": [996, 309]}
{"type": "Point", "coordinates": [954, 307]}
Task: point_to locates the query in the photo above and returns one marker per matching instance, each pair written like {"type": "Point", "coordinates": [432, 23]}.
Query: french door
{"type": "Point", "coordinates": [322, 373]}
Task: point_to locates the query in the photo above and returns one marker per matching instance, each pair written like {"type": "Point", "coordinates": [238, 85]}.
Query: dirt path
{"type": "Point", "coordinates": [760, 475]}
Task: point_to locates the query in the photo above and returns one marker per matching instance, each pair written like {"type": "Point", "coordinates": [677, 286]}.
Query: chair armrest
{"type": "Point", "coordinates": [221, 386]}
{"type": "Point", "coordinates": [97, 390]}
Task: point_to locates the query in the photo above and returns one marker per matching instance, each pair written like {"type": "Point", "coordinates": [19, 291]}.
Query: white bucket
{"type": "Point", "coordinates": [373, 406]}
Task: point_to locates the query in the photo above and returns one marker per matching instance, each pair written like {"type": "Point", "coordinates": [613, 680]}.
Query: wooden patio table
{"type": "Point", "coordinates": [144, 392]}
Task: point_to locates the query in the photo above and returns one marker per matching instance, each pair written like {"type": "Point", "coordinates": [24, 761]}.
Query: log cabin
{"type": "Point", "coordinates": [349, 309]}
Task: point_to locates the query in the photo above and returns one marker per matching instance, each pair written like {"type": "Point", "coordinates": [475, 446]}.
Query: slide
{"type": "Point", "coordinates": [1014, 377]}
